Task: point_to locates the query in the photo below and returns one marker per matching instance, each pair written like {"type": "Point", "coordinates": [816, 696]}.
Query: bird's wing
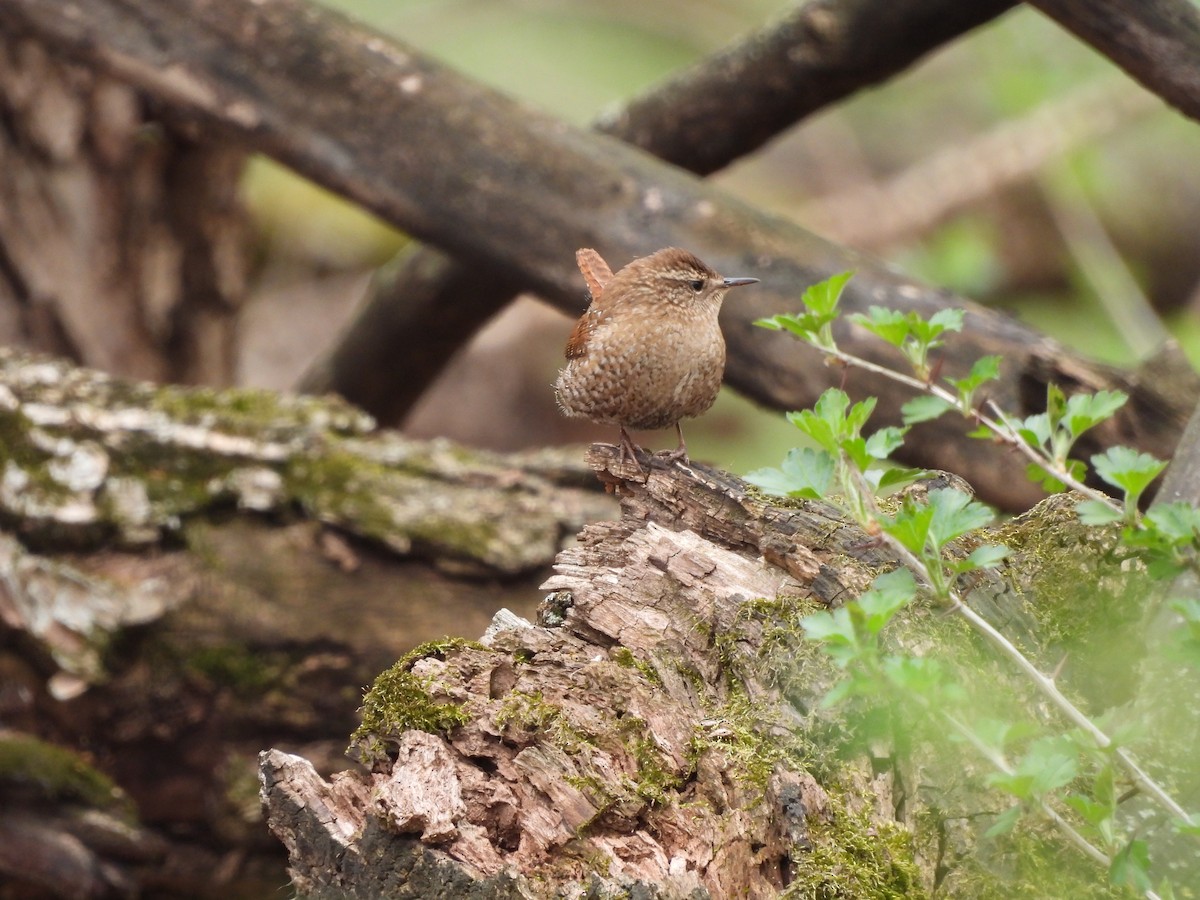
{"type": "Point", "coordinates": [578, 341]}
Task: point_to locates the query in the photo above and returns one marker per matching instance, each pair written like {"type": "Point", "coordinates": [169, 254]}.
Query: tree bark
{"type": "Point", "coordinates": [659, 729]}
{"type": "Point", "coordinates": [1156, 41]}
{"type": "Point", "coordinates": [188, 577]}
{"type": "Point", "coordinates": [122, 243]}
{"type": "Point", "coordinates": [517, 191]}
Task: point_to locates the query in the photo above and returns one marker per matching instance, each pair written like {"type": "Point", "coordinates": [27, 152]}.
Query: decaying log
{"type": "Point", "coordinates": [188, 576]}
{"type": "Point", "coordinates": [657, 732]}
{"type": "Point", "coordinates": [292, 80]}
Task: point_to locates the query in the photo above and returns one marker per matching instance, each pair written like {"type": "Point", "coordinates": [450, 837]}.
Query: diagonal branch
{"type": "Point", "coordinates": [1156, 41]}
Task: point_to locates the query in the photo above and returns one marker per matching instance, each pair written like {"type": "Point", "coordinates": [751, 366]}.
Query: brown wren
{"type": "Point", "coordinates": [648, 351]}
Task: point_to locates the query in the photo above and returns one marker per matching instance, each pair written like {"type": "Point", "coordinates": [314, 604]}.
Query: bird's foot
{"type": "Point", "coordinates": [679, 454]}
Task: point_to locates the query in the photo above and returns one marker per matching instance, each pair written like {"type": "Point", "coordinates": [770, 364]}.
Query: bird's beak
{"type": "Point", "coordinates": [735, 282]}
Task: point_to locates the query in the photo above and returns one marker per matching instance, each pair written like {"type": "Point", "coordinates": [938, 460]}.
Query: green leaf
{"type": "Point", "coordinates": [941, 321]}
{"type": "Point", "coordinates": [805, 326]}
{"type": "Point", "coordinates": [1191, 826]}
{"type": "Point", "coordinates": [888, 594]}
{"type": "Point", "coordinates": [1018, 784]}
{"type": "Point", "coordinates": [1084, 411]}
{"type": "Point", "coordinates": [858, 415]}
{"type": "Point", "coordinates": [994, 733]}
{"type": "Point", "coordinates": [805, 473]}
{"type": "Point", "coordinates": [954, 514]}
{"type": "Point", "coordinates": [1052, 762]}
{"type": "Point", "coordinates": [1005, 822]}
{"type": "Point", "coordinates": [823, 297]}
{"type": "Point", "coordinates": [1048, 764]}
{"type": "Point", "coordinates": [897, 475]}
{"type": "Point", "coordinates": [911, 526]}
{"type": "Point", "coordinates": [1034, 430]}
{"type": "Point", "coordinates": [1094, 512]}
{"type": "Point", "coordinates": [1179, 521]}
{"type": "Point", "coordinates": [949, 319]}
{"type": "Point", "coordinates": [885, 441]}
{"type": "Point", "coordinates": [985, 369]}
{"type": "Point", "coordinates": [890, 325]}
{"type": "Point", "coordinates": [923, 409]}
{"type": "Point", "coordinates": [1131, 866]}
{"type": "Point", "coordinates": [856, 449]}
{"type": "Point", "coordinates": [1089, 810]}
{"type": "Point", "coordinates": [922, 677]}
{"type": "Point", "coordinates": [1125, 468]}
{"type": "Point", "coordinates": [835, 630]}
{"type": "Point", "coordinates": [1049, 482]}
{"type": "Point", "coordinates": [1056, 406]}
{"type": "Point", "coordinates": [988, 555]}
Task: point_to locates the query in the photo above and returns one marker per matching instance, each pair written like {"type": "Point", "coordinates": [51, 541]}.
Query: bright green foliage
{"type": "Point", "coordinates": [1099, 810]}
{"type": "Point", "coordinates": [1168, 538]}
{"type": "Point", "coordinates": [806, 473]}
{"type": "Point", "coordinates": [1055, 431]}
{"type": "Point", "coordinates": [927, 529]}
{"type": "Point", "coordinates": [924, 408]}
{"type": "Point", "coordinates": [836, 426]}
{"type": "Point", "coordinates": [1049, 763]}
{"type": "Point", "coordinates": [913, 335]}
{"type": "Point", "coordinates": [1079, 772]}
{"type": "Point", "coordinates": [1129, 471]}
{"type": "Point", "coordinates": [1131, 866]}
{"type": "Point", "coordinates": [815, 324]}
{"type": "Point", "coordinates": [985, 369]}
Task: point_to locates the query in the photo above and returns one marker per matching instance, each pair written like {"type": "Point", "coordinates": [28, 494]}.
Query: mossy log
{"type": "Point", "coordinates": [188, 576]}
{"type": "Point", "coordinates": [658, 731]}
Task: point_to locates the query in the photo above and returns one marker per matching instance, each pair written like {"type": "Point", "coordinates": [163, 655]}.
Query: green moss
{"type": "Point", "coordinates": [1085, 596]}
{"type": "Point", "coordinates": [624, 657]}
{"type": "Point", "coordinates": [250, 411]}
{"type": "Point", "coordinates": [339, 486]}
{"type": "Point", "coordinates": [400, 701]}
{"type": "Point", "coordinates": [246, 671]}
{"type": "Point", "coordinates": [738, 731]}
{"type": "Point", "coordinates": [656, 781]}
{"type": "Point", "coordinates": [855, 857]}
{"type": "Point", "coordinates": [531, 712]}
{"type": "Point", "coordinates": [32, 766]}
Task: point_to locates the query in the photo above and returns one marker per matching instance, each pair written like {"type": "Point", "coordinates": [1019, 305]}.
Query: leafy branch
{"type": "Point", "coordinates": [845, 465]}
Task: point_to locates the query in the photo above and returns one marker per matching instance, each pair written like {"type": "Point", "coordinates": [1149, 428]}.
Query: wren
{"type": "Point", "coordinates": [648, 351]}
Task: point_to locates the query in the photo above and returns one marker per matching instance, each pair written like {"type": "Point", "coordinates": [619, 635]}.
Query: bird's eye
{"type": "Point", "coordinates": [697, 285]}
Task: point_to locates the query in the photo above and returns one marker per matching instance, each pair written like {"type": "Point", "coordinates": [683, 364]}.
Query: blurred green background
{"type": "Point", "coordinates": [1016, 166]}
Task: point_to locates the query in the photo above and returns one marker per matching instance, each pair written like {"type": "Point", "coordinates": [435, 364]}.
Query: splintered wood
{"type": "Point", "coordinates": [613, 740]}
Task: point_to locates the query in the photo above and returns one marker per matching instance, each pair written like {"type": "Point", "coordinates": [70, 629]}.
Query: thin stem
{"type": "Point", "coordinates": [1001, 428]}
{"type": "Point", "coordinates": [1000, 763]}
{"type": "Point", "coordinates": [1043, 683]}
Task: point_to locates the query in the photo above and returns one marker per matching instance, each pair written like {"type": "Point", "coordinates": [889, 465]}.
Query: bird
{"type": "Point", "coordinates": [648, 351]}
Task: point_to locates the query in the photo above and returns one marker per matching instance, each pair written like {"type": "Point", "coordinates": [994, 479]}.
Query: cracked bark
{"type": "Point", "coordinates": [644, 734]}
